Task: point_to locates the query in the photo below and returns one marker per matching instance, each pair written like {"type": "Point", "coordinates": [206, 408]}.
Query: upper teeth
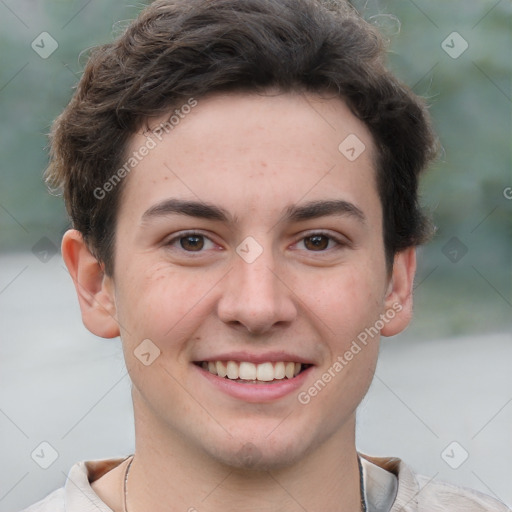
{"type": "Point", "coordinates": [249, 371]}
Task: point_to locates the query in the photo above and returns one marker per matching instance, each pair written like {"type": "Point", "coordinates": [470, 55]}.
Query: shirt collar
{"type": "Point", "coordinates": [389, 485]}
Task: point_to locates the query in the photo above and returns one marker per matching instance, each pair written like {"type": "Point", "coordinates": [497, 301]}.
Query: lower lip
{"type": "Point", "coordinates": [256, 392]}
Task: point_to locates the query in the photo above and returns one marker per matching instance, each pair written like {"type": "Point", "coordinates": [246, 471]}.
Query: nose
{"type": "Point", "coordinates": [256, 296]}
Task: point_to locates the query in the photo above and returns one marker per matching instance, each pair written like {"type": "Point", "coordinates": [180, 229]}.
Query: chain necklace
{"type": "Point", "coordinates": [364, 507]}
{"type": "Point", "coordinates": [125, 481]}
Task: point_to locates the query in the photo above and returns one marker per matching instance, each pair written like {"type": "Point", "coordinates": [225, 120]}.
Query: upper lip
{"type": "Point", "coordinates": [265, 357]}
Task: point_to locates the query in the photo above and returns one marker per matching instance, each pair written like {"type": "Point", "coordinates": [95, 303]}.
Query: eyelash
{"type": "Point", "coordinates": [186, 234]}
{"type": "Point", "coordinates": [341, 242]}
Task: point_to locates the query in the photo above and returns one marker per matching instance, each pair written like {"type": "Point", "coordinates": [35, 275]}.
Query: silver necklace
{"type": "Point", "coordinates": [364, 507]}
{"type": "Point", "coordinates": [125, 482]}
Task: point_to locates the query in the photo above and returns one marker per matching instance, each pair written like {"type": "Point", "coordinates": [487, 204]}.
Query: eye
{"type": "Point", "coordinates": [316, 242]}
{"type": "Point", "coordinates": [319, 242]}
{"type": "Point", "coordinates": [191, 242]}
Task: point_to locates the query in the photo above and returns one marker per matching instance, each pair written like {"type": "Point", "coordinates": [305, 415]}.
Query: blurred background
{"type": "Point", "coordinates": [446, 380]}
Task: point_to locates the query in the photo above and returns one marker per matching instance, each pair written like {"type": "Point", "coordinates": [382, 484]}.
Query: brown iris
{"type": "Point", "coordinates": [192, 242]}
{"type": "Point", "coordinates": [316, 242]}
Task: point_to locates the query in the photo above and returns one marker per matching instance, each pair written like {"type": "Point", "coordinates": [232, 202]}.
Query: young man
{"type": "Point", "coordinates": [242, 181]}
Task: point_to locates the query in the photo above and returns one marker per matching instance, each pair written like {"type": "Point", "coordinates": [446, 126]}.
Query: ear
{"type": "Point", "coordinates": [398, 300]}
{"type": "Point", "coordinates": [94, 288]}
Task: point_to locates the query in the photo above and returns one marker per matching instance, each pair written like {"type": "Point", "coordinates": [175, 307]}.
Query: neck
{"type": "Point", "coordinates": [167, 474]}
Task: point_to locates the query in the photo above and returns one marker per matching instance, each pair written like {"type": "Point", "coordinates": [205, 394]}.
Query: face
{"type": "Point", "coordinates": [249, 243]}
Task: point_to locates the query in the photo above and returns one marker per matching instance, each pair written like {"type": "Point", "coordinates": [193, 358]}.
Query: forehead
{"type": "Point", "coordinates": [253, 151]}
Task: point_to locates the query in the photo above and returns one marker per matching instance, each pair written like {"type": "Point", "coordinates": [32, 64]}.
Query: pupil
{"type": "Point", "coordinates": [192, 242]}
{"type": "Point", "coordinates": [317, 242]}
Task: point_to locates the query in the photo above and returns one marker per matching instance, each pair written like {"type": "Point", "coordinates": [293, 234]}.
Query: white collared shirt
{"type": "Point", "coordinates": [389, 486]}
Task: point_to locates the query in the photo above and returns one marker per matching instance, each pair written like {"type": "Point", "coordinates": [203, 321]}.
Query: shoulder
{"type": "Point", "coordinates": [439, 496]}
{"type": "Point", "coordinates": [54, 502]}
{"type": "Point", "coordinates": [418, 493]}
{"type": "Point", "coordinates": [78, 495]}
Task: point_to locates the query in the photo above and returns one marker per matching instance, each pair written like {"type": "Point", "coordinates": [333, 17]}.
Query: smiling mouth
{"type": "Point", "coordinates": [250, 373]}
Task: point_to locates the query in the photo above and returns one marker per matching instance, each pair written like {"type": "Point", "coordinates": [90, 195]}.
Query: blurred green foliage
{"type": "Point", "coordinates": [469, 98]}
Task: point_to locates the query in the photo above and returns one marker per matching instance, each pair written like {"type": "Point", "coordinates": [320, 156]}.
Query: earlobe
{"type": "Point", "coordinates": [399, 299]}
{"type": "Point", "coordinates": [94, 288]}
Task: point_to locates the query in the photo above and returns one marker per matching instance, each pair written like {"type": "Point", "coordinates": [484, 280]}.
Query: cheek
{"type": "Point", "coordinates": [351, 307]}
{"type": "Point", "coordinates": [158, 303]}
{"type": "Point", "coordinates": [346, 301]}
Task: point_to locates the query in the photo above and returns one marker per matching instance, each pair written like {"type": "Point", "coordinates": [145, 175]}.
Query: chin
{"type": "Point", "coordinates": [250, 458]}
{"type": "Point", "coordinates": [261, 455]}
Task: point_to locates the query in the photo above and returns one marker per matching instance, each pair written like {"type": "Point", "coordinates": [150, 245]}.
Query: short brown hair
{"type": "Point", "coordinates": [178, 49]}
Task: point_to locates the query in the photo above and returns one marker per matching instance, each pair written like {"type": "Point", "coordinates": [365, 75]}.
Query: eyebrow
{"type": "Point", "coordinates": [316, 209]}
{"type": "Point", "coordinates": [196, 209]}
{"type": "Point", "coordinates": [294, 213]}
